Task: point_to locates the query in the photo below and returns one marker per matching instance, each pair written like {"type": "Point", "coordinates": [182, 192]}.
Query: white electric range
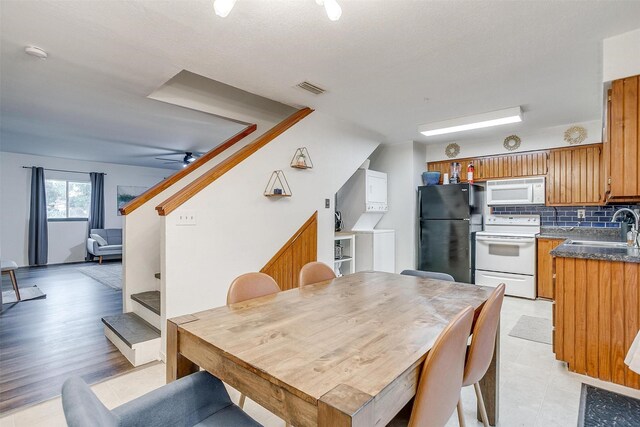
{"type": "Point", "coordinates": [506, 253]}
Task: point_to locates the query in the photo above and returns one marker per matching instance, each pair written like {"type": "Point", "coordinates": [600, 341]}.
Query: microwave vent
{"type": "Point", "coordinates": [310, 87]}
{"type": "Point", "coordinates": [539, 180]}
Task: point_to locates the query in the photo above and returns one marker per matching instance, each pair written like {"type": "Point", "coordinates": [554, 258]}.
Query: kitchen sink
{"type": "Point", "coordinates": [597, 244]}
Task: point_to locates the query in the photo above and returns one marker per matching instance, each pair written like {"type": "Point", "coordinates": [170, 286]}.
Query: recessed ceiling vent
{"type": "Point", "coordinates": [310, 87]}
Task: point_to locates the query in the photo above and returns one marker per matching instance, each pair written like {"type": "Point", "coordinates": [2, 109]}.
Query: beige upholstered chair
{"type": "Point", "coordinates": [481, 349]}
{"type": "Point", "coordinates": [249, 286]}
{"type": "Point", "coordinates": [441, 378]}
{"type": "Point", "coordinates": [314, 272]}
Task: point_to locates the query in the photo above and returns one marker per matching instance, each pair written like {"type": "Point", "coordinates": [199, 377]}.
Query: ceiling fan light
{"type": "Point", "coordinates": [334, 11]}
{"type": "Point", "coordinates": [223, 7]}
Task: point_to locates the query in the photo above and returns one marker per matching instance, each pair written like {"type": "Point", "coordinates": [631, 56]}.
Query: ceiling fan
{"type": "Point", "coordinates": [188, 158]}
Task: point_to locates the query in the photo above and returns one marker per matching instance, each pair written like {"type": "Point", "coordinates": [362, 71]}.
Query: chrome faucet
{"type": "Point", "coordinates": [637, 218]}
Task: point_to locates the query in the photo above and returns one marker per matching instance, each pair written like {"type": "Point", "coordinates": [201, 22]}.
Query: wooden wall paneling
{"type": "Point", "coordinates": [544, 275]}
{"type": "Point", "coordinates": [580, 346]}
{"type": "Point", "coordinates": [300, 249]}
{"type": "Point", "coordinates": [618, 351]}
{"type": "Point", "coordinates": [558, 305]}
{"type": "Point", "coordinates": [606, 152]}
{"type": "Point", "coordinates": [631, 311]}
{"type": "Point", "coordinates": [592, 318]}
{"type": "Point", "coordinates": [604, 316]}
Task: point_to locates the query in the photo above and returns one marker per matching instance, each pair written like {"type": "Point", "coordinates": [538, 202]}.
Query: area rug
{"type": "Point", "coordinates": [32, 292]}
{"type": "Point", "coordinates": [109, 274]}
{"type": "Point", "coordinates": [532, 328]}
{"type": "Point", "coordinates": [599, 408]}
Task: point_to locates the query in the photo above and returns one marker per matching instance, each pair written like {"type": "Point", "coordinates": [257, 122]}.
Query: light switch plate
{"type": "Point", "coordinates": [186, 218]}
{"type": "Point", "coordinates": [327, 203]}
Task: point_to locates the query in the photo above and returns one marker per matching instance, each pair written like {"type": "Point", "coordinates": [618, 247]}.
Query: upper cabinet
{"type": "Point", "coordinates": [575, 176]}
{"type": "Point", "coordinates": [531, 163]}
{"type": "Point", "coordinates": [622, 150]}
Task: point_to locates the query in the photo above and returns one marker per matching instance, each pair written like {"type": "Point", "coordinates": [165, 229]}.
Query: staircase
{"type": "Point", "coordinates": [137, 334]}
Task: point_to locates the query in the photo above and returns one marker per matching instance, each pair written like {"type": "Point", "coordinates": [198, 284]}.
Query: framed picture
{"type": "Point", "coordinates": [127, 193]}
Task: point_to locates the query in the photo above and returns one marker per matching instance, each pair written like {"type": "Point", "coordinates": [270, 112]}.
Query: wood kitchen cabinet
{"type": "Point", "coordinates": [623, 145]}
{"type": "Point", "coordinates": [596, 317]}
{"type": "Point", "coordinates": [575, 176]}
{"type": "Point", "coordinates": [544, 275]}
{"type": "Point", "coordinates": [532, 163]}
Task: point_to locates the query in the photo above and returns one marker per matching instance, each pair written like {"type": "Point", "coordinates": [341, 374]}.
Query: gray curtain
{"type": "Point", "coordinates": [96, 214]}
{"type": "Point", "coordinates": [38, 230]}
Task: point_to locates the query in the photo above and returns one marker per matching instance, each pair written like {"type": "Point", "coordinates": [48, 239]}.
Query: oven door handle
{"type": "Point", "coordinates": [497, 240]}
{"type": "Point", "coordinates": [512, 278]}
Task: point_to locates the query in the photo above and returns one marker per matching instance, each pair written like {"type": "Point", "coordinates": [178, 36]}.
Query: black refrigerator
{"type": "Point", "coordinates": [449, 216]}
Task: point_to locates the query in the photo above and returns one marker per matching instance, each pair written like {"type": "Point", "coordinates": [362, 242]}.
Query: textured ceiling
{"type": "Point", "coordinates": [387, 65]}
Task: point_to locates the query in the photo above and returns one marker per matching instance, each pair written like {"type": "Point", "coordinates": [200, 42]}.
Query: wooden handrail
{"type": "Point", "coordinates": [200, 161]}
{"type": "Point", "coordinates": [227, 164]}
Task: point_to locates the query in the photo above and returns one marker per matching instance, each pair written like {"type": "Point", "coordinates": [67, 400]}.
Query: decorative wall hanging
{"type": "Point", "coordinates": [575, 135]}
{"type": "Point", "coordinates": [452, 150]}
{"type": "Point", "coordinates": [301, 159]}
{"type": "Point", "coordinates": [277, 185]}
{"type": "Point", "coordinates": [512, 142]}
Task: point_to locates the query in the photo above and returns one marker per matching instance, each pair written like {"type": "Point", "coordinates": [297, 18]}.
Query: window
{"type": "Point", "coordinates": [67, 199]}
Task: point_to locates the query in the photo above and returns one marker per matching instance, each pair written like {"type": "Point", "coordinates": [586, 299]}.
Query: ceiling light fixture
{"type": "Point", "coordinates": [333, 9]}
{"type": "Point", "coordinates": [478, 121]}
{"type": "Point", "coordinates": [36, 51]}
{"type": "Point", "coordinates": [223, 7]}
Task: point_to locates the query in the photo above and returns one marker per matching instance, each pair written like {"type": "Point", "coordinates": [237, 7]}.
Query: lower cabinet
{"type": "Point", "coordinates": [545, 267]}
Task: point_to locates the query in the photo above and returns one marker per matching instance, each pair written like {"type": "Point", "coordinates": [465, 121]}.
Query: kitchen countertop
{"type": "Point", "coordinates": [580, 233]}
{"type": "Point", "coordinates": [589, 252]}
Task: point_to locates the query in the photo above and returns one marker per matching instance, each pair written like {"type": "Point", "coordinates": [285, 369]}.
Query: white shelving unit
{"type": "Point", "coordinates": [346, 264]}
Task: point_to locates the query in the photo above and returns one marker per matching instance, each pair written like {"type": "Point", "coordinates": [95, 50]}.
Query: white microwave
{"type": "Point", "coordinates": [523, 191]}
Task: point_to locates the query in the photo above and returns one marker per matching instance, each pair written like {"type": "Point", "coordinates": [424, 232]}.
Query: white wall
{"type": "Point", "coordinates": [404, 164]}
{"type": "Point", "coordinates": [142, 231]}
{"type": "Point", "coordinates": [238, 229]}
{"type": "Point", "coordinates": [537, 140]}
{"type": "Point", "coordinates": [621, 56]}
{"type": "Point", "coordinates": [67, 240]}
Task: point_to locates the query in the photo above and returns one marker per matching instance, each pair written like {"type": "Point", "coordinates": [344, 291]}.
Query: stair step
{"type": "Point", "coordinates": [131, 328]}
{"type": "Point", "coordinates": [150, 300]}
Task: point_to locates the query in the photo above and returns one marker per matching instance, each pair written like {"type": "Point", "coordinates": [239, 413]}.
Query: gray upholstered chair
{"type": "Point", "coordinates": [111, 236]}
{"type": "Point", "coordinates": [429, 275]}
{"type": "Point", "coordinates": [199, 399]}
{"type": "Point", "coordinates": [10, 267]}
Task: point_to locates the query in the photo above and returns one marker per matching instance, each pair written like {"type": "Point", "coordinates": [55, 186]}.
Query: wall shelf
{"type": "Point", "coordinates": [346, 264]}
{"type": "Point", "coordinates": [277, 185]}
{"type": "Point", "coordinates": [301, 159]}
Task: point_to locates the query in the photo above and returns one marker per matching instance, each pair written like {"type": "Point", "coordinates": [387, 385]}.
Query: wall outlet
{"type": "Point", "coordinates": [186, 218]}
{"type": "Point", "coordinates": [327, 203]}
{"type": "Point", "coordinates": [582, 214]}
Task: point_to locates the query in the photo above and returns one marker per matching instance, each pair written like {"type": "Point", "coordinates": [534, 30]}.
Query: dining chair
{"type": "Point", "coordinates": [197, 399]}
{"type": "Point", "coordinates": [441, 377]}
{"type": "Point", "coordinates": [314, 272]}
{"type": "Point", "coordinates": [251, 285]}
{"type": "Point", "coordinates": [480, 351]}
{"type": "Point", "coordinates": [429, 275]}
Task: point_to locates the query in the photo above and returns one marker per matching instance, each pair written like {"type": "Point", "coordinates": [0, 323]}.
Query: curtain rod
{"type": "Point", "coordinates": [56, 170]}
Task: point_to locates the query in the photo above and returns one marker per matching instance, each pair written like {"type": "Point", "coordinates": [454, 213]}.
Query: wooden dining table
{"type": "Point", "coordinates": [345, 352]}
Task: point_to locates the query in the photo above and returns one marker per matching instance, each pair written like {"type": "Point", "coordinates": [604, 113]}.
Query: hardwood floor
{"type": "Point", "coordinates": [43, 342]}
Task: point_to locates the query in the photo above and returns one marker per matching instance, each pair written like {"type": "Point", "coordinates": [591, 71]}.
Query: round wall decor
{"type": "Point", "coordinates": [452, 150]}
{"type": "Point", "coordinates": [575, 135]}
{"type": "Point", "coordinates": [512, 142]}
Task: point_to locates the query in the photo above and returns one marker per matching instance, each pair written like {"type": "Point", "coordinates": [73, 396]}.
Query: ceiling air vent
{"type": "Point", "coordinates": [309, 87]}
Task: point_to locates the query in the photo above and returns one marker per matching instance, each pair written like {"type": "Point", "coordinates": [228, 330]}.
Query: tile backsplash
{"type": "Point", "coordinates": [596, 216]}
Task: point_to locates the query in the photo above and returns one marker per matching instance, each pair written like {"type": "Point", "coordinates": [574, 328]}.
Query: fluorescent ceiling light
{"type": "Point", "coordinates": [485, 120]}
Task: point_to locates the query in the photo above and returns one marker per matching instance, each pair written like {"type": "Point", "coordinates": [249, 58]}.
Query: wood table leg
{"type": "Point", "coordinates": [489, 385]}
{"type": "Point", "coordinates": [344, 406]}
{"type": "Point", "coordinates": [14, 282]}
{"type": "Point", "coordinates": [178, 366]}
